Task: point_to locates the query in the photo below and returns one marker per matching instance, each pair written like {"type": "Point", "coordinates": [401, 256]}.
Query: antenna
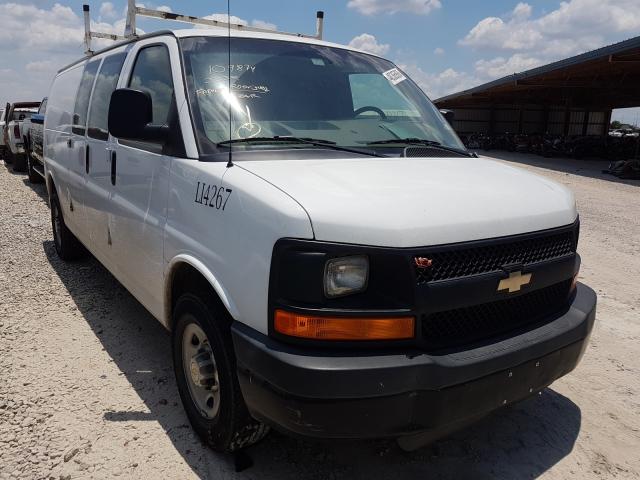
{"type": "Point", "coordinates": [230, 162]}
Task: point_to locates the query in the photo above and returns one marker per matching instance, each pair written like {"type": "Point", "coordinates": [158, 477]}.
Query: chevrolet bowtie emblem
{"type": "Point", "coordinates": [423, 262]}
{"type": "Point", "coordinates": [515, 282]}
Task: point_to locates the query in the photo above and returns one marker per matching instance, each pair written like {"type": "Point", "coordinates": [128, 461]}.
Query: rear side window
{"type": "Point", "coordinates": [62, 99]}
{"type": "Point", "coordinates": [152, 73]}
{"type": "Point", "coordinates": [105, 85]}
{"type": "Point", "coordinates": [82, 99]}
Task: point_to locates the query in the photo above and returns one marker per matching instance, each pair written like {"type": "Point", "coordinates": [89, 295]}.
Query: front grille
{"type": "Point", "coordinates": [463, 326]}
{"type": "Point", "coordinates": [465, 261]}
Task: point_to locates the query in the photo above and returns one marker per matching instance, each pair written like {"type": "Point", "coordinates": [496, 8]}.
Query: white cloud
{"type": "Point", "coordinates": [526, 41]}
{"type": "Point", "coordinates": [522, 11]}
{"type": "Point", "coordinates": [575, 26]}
{"type": "Point", "coordinates": [501, 67]}
{"type": "Point", "coordinates": [37, 41]}
{"type": "Point", "coordinates": [164, 8]}
{"type": "Point", "coordinates": [263, 24]}
{"type": "Point", "coordinates": [42, 66]}
{"type": "Point", "coordinates": [372, 7]}
{"type": "Point", "coordinates": [26, 26]}
{"type": "Point", "coordinates": [108, 11]}
{"type": "Point", "coordinates": [223, 17]}
{"type": "Point", "coordinates": [368, 43]}
{"type": "Point", "coordinates": [439, 84]}
{"type": "Point", "coordinates": [438, 51]}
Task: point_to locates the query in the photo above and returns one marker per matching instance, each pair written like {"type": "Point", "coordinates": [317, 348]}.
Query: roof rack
{"type": "Point", "coordinates": [88, 34]}
{"type": "Point", "coordinates": [133, 10]}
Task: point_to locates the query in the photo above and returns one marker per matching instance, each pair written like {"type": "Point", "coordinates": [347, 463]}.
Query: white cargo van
{"type": "Point", "coordinates": [328, 257]}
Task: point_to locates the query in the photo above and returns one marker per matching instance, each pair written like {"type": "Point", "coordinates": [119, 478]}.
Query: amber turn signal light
{"type": "Point", "coordinates": [318, 327]}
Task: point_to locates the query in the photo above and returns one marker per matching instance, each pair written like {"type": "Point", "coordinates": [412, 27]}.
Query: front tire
{"type": "Point", "coordinates": [68, 247]}
{"type": "Point", "coordinates": [205, 370]}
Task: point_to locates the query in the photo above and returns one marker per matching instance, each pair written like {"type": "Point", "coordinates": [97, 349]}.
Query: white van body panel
{"type": "Point", "coordinates": [414, 202]}
{"type": "Point", "coordinates": [67, 172]}
{"type": "Point", "coordinates": [233, 244]}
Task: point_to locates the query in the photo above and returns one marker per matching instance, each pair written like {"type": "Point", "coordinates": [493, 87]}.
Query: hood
{"type": "Point", "coordinates": [412, 202]}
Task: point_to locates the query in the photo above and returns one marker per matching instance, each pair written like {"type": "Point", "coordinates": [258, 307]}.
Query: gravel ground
{"type": "Point", "coordinates": [87, 388]}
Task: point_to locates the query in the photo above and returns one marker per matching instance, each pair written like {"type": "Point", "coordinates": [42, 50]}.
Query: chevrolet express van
{"type": "Point", "coordinates": [329, 258]}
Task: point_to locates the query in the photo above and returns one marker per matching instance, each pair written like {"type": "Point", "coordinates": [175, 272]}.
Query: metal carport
{"type": "Point", "coordinates": [574, 96]}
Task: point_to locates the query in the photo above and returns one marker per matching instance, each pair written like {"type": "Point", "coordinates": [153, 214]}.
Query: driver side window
{"type": "Point", "coordinates": [152, 74]}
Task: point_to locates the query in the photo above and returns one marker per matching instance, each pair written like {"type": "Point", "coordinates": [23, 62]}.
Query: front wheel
{"type": "Point", "coordinates": [205, 370]}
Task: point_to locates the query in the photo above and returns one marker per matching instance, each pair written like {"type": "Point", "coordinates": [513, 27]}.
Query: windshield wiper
{"type": "Point", "coordinates": [421, 141]}
{"type": "Point", "coordinates": [316, 142]}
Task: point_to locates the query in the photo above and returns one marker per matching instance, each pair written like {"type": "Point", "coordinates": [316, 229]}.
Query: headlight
{"type": "Point", "coordinates": [345, 275]}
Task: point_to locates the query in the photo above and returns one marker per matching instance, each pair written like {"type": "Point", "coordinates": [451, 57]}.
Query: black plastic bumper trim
{"type": "Point", "coordinates": [304, 391]}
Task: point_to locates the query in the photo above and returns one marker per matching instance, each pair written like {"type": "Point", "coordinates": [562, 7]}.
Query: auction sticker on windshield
{"type": "Point", "coordinates": [394, 76]}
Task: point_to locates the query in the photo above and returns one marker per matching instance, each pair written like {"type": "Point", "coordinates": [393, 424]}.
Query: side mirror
{"type": "Point", "coordinates": [130, 116]}
{"type": "Point", "coordinates": [37, 118]}
{"type": "Point", "coordinates": [449, 116]}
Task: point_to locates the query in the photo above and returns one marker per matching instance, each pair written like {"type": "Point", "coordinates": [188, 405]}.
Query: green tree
{"type": "Point", "coordinates": [615, 125]}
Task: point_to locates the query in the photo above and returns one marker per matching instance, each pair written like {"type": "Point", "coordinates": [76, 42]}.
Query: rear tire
{"type": "Point", "coordinates": [68, 247]}
{"type": "Point", "coordinates": [19, 162]}
{"type": "Point", "coordinates": [205, 369]}
{"type": "Point", "coordinates": [8, 155]}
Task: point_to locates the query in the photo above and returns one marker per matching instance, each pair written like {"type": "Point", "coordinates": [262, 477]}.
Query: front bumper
{"type": "Point", "coordinates": [324, 394]}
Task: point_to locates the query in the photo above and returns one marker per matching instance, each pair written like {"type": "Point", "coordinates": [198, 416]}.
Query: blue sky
{"type": "Point", "coordinates": [445, 45]}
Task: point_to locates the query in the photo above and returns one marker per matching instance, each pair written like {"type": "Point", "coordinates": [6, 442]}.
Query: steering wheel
{"type": "Point", "coordinates": [370, 109]}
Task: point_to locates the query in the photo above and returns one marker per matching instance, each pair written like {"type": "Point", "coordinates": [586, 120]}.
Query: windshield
{"type": "Point", "coordinates": [289, 89]}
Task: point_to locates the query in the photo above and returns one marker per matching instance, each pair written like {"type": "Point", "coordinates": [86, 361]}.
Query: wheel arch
{"type": "Point", "coordinates": [185, 272]}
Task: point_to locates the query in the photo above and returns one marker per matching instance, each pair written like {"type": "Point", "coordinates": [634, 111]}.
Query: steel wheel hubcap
{"type": "Point", "coordinates": [200, 370]}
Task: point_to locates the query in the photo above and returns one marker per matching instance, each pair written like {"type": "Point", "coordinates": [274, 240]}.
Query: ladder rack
{"type": "Point", "coordinates": [133, 10]}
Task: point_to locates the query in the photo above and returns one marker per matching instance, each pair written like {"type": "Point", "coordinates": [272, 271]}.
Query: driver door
{"type": "Point", "coordinates": [140, 172]}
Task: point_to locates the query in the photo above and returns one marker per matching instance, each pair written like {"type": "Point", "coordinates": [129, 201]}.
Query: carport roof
{"type": "Point", "coordinates": [608, 77]}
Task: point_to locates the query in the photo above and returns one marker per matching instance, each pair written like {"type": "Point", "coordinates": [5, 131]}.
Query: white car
{"type": "Point", "coordinates": [328, 257]}
{"type": "Point", "coordinates": [13, 136]}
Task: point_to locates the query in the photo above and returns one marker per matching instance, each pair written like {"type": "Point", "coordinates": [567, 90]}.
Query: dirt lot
{"type": "Point", "coordinates": [87, 389]}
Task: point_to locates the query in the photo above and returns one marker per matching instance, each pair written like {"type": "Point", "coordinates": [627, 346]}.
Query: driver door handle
{"type": "Point", "coordinates": [113, 167]}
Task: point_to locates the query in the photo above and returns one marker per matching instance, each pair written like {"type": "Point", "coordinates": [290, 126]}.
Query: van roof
{"type": "Point", "coordinates": [220, 32]}
{"type": "Point", "coordinates": [224, 32]}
